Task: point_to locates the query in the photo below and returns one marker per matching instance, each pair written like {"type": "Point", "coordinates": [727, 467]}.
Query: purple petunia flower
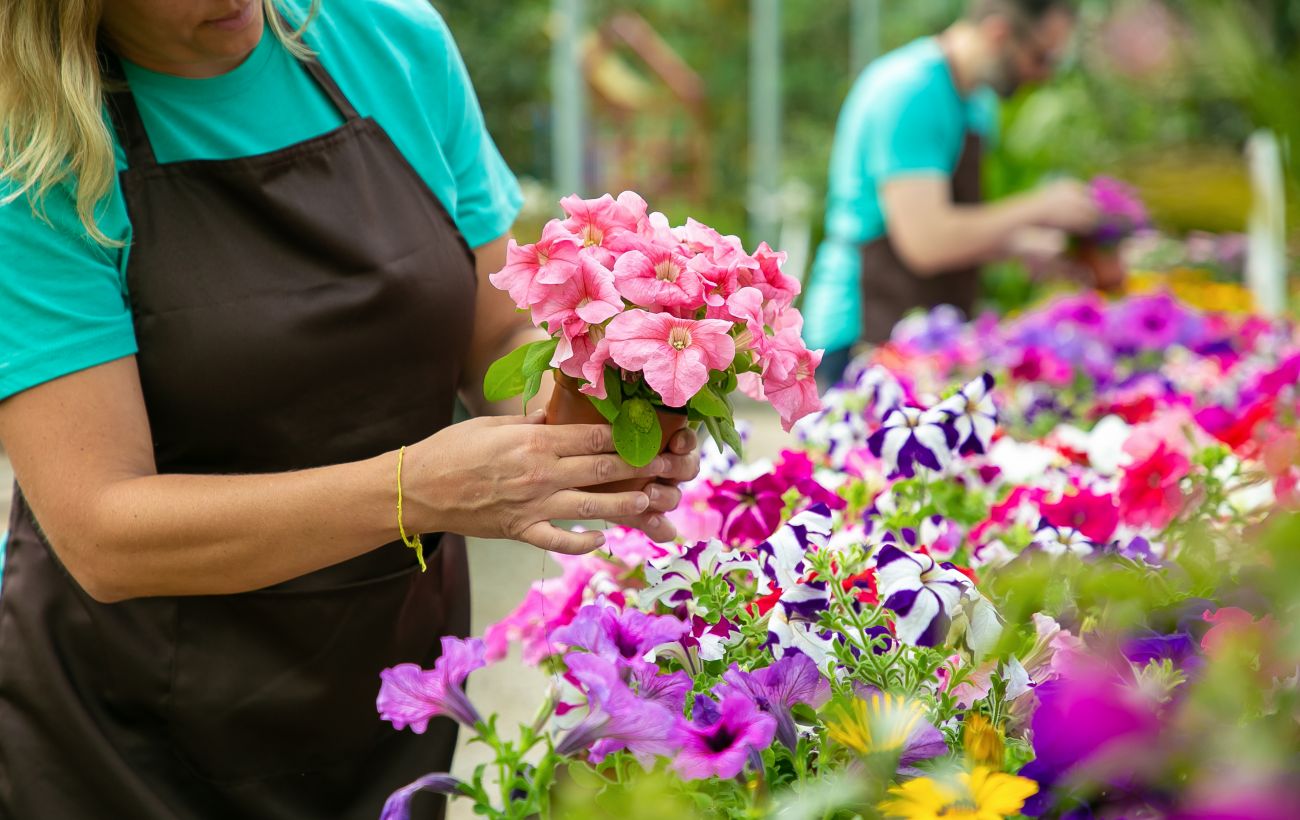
{"type": "Point", "coordinates": [720, 738]}
{"type": "Point", "coordinates": [668, 689]}
{"type": "Point", "coordinates": [973, 415]}
{"type": "Point", "coordinates": [923, 594]}
{"type": "Point", "coordinates": [411, 696]}
{"type": "Point", "coordinates": [1088, 714]}
{"type": "Point", "coordinates": [398, 804]}
{"type": "Point", "coordinates": [776, 689]}
{"type": "Point", "coordinates": [616, 718]}
{"type": "Point", "coordinates": [626, 636]}
{"type": "Point", "coordinates": [910, 436]}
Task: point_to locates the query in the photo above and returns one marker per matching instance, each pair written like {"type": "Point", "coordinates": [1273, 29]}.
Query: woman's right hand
{"type": "Point", "coordinates": [511, 476]}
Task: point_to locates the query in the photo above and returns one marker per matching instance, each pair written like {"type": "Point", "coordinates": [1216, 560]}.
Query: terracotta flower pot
{"type": "Point", "coordinates": [1103, 261]}
{"type": "Point", "coordinates": [568, 406]}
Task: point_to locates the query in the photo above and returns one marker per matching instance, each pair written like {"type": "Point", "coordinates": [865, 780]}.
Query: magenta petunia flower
{"type": "Point", "coordinates": [1149, 490]}
{"type": "Point", "coordinates": [674, 355]}
{"type": "Point", "coordinates": [718, 741]}
{"type": "Point", "coordinates": [778, 688]}
{"type": "Point", "coordinates": [751, 510]}
{"type": "Point", "coordinates": [621, 636]}
{"type": "Point", "coordinates": [551, 261]}
{"type": "Point", "coordinates": [411, 696]}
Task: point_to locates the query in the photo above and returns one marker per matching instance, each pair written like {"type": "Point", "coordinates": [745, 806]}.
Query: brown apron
{"type": "Point", "coordinates": [890, 289]}
{"type": "Point", "coordinates": [305, 307]}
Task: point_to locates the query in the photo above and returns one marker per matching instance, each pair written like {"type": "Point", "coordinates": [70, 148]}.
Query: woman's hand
{"type": "Point", "coordinates": [663, 492]}
{"type": "Point", "coordinates": [511, 476]}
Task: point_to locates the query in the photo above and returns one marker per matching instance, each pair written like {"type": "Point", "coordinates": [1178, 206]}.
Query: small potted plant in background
{"type": "Point", "coordinates": [652, 327]}
{"type": "Point", "coordinates": [1122, 214]}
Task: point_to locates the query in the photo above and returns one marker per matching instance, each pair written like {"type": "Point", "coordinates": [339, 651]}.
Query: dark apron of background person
{"type": "Point", "coordinates": [306, 307]}
{"type": "Point", "coordinates": [890, 289]}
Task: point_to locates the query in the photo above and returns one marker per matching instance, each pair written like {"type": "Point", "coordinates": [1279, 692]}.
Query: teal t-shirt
{"type": "Point", "coordinates": [63, 301]}
{"type": "Point", "coordinates": [904, 116]}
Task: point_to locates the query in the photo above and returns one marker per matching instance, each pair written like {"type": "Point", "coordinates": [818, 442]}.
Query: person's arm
{"type": "Point", "coordinates": [932, 234]}
{"type": "Point", "coordinates": [81, 450]}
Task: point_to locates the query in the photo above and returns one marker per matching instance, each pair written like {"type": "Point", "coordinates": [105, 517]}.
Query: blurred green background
{"type": "Point", "coordinates": [1162, 93]}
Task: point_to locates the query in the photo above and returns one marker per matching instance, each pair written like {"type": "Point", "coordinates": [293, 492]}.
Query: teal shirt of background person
{"type": "Point", "coordinates": [904, 116]}
{"type": "Point", "coordinates": [63, 300]}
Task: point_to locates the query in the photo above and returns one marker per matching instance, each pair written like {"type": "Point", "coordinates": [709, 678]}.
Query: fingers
{"type": "Point", "coordinates": [580, 439]}
{"type": "Point", "coordinates": [683, 441]}
{"type": "Point", "coordinates": [551, 538]}
{"type": "Point", "coordinates": [574, 504]}
{"type": "Point", "coordinates": [590, 471]}
{"type": "Point", "coordinates": [657, 526]}
{"type": "Point", "coordinates": [663, 497]}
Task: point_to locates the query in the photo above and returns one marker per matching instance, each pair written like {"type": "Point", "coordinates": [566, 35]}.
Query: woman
{"type": "Point", "coordinates": [210, 364]}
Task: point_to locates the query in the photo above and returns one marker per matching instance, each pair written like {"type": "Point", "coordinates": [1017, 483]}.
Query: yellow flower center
{"type": "Point", "coordinates": [679, 338]}
{"type": "Point", "coordinates": [591, 235]}
{"type": "Point", "coordinates": [666, 271]}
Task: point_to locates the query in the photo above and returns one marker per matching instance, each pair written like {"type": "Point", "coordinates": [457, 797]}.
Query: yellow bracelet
{"type": "Point", "coordinates": [413, 543]}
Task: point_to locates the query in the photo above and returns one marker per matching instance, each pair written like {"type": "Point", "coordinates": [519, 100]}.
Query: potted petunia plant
{"type": "Point", "coordinates": [652, 327]}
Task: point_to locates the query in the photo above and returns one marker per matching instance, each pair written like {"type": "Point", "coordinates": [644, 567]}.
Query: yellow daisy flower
{"type": "Point", "coordinates": [981, 794]}
{"type": "Point", "coordinates": [881, 724]}
{"type": "Point", "coordinates": [983, 742]}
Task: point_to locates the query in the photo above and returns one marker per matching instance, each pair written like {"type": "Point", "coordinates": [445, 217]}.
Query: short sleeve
{"type": "Point", "coordinates": [62, 306]}
{"type": "Point", "coordinates": [912, 132]}
{"type": "Point", "coordinates": [487, 194]}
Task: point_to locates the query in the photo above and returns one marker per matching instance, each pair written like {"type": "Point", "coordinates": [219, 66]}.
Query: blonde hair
{"type": "Point", "coordinates": [52, 129]}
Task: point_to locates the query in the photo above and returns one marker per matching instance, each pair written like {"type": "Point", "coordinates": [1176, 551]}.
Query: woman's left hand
{"type": "Point", "coordinates": [664, 495]}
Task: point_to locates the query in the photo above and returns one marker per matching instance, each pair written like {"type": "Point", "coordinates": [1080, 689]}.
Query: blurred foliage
{"type": "Point", "coordinates": [1163, 99]}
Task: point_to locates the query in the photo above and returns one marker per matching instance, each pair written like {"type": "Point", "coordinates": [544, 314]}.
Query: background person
{"type": "Point", "coordinates": [905, 223]}
{"type": "Point", "coordinates": [221, 320]}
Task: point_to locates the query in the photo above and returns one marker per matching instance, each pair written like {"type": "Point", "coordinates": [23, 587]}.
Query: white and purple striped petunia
{"type": "Point", "coordinates": [1062, 540]}
{"type": "Point", "coordinates": [973, 415]}
{"type": "Point", "coordinates": [910, 436]}
{"type": "Point", "coordinates": [923, 593]}
{"type": "Point", "coordinates": [670, 578]}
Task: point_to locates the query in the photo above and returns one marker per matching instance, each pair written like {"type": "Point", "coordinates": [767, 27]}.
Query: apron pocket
{"type": "Point", "coordinates": [284, 681]}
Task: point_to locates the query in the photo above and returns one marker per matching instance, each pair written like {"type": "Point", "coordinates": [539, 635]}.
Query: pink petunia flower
{"type": "Point", "coordinates": [658, 277]}
{"type": "Point", "coordinates": [717, 742]}
{"type": "Point", "coordinates": [552, 260]}
{"type": "Point", "coordinates": [776, 287]}
{"type": "Point", "coordinates": [569, 307]}
{"type": "Point", "coordinates": [789, 379]}
{"type": "Point", "coordinates": [695, 518]}
{"type": "Point", "coordinates": [674, 355]}
{"type": "Point", "coordinates": [411, 696]}
{"type": "Point", "coordinates": [603, 224]}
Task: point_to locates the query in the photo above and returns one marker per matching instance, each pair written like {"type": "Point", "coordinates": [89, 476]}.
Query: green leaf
{"type": "Point", "coordinates": [609, 406]}
{"type": "Point", "coordinates": [708, 402]}
{"type": "Point", "coordinates": [729, 435]}
{"type": "Point", "coordinates": [505, 378]}
{"type": "Point", "coordinates": [637, 435]}
{"type": "Point", "coordinates": [537, 360]}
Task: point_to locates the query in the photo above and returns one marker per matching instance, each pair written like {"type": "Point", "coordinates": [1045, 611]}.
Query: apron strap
{"type": "Point", "coordinates": [125, 114]}
{"type": "Point", "coordinates": [331, 89]}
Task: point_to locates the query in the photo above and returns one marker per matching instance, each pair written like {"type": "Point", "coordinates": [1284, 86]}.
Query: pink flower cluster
{"type": "Point", "coordinates": [617, 286]}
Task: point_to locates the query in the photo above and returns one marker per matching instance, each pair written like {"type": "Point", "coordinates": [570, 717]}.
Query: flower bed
{"type": "Point", "coordinates": [1040, 566]}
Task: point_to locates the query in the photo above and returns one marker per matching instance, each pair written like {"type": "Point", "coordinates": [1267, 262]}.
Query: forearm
{"type": "Point", "coordinates": [964, 235]}
{"type": "Point", "coordinates": [198, 535]}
